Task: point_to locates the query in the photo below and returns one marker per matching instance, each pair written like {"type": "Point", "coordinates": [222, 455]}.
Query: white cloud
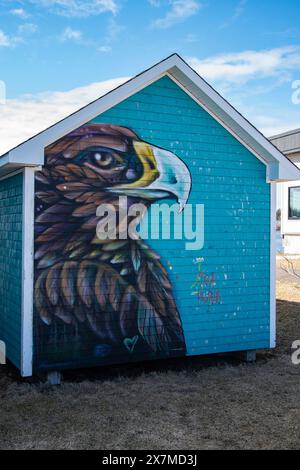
{"type": "Point", "coordinates": [270, 126]}
{"type": "Point", "coordinates": [71, 34]}
{"type": "Point", "coordinates": [113, 30]}
{"type": "Point", "coordinates": [243, 66]}
{"type": "Point", "coordinates": [180, 10]}
{"type": "Point", "coordinates": [191, 38]}
{"type": "Point", "coordinates": [4, 40]}
{"type": "Point", "coordinates": [27, 28]}
{"type": "Point", "coordinates": [104, 49]}
{"type": "Point", "coordinates": [154, 3]}
{"type": "Point", "coordinates": [22, 118]}
{"type": "Point", "coordinates": [237, 13]}
{"type": "Point", "coordinates": [285, 33]}
{"type": "Point", "coordinates": [12, 41]}
{"type": "Point", "coordinates": [20, 12]}
{"type": "Point", "coordinates": [79, 8]}
{"type": "Point", "coordinates": [239, 9]}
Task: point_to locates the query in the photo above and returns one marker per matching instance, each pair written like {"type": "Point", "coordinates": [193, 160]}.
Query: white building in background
{"type": "Point", "coordinates": [289, 144]}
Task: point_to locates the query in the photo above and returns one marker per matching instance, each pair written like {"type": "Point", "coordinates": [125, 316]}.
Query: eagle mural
{"type": "Point", "coordinates": [111, 297]}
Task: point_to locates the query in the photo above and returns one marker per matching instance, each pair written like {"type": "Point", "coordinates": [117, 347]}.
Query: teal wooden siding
{"type": "Point", "coordinates": [11, 191]}
{"type": "Point", "coordinates": [86, 312]}
{"type": "Point", "coordinates": [231, 183]}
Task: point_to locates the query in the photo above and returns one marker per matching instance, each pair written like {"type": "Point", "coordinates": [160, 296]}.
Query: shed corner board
{"type": "Point", "coordinates": [27, 272]}
{"type": "Point", "coordinates": [273, 189]}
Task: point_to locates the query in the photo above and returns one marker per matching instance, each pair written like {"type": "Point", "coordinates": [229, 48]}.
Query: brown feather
{"type": "Point", "coordinates": [90, 224]}
{"type": "Point", "coordinates": [49, 259]}
{"type": "Point", "coordinates": [73, 195]}
{"type": "Point", "coordinates": [101, 286]}
{"type": "Point", "coordinates": [128, 320]}
{"type": "Point", "coordinates": [48, 247]}
{"type": "Point", "coordinates": [135, 257]}
{"type": "Point", "coordinates": [151, 326]}
{"type": "Point", "coordinates": [51, 233]}
{"type": "Point", "coordinates": [63, 314]}
{"type": "Point", "coordinates": [53, 284]}
{"type": "Point", "coordinates": [85, 210]}
{"type": "Point", "coordinates": [86, 282]}
{"type": "Point", "coordinates": [49, 197]}
{"type": "Point", "coordinates": [40, 299]}
{"type": "Point", "coordinates": [78, 186]}
{"type": "Point", "coordinates": [116, 284]}
{"type": "Point", "coordinates": [42, 178]}
{"type": "Point", "coordinates": [160, 274]}
{"type": "Point", "coordinates": [142, 278]}
{"type": "Point", "coordinates": [68, 282]}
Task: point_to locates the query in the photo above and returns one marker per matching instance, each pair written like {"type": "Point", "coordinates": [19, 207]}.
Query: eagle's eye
{"type": "Point", "coordinates": [103, 158]}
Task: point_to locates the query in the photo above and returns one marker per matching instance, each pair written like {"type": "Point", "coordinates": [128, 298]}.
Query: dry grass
{"type": "Point", "coordinates": [220, 406]}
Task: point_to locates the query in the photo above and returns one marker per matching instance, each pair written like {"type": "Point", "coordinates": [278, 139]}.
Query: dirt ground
{"type": "Point", "coordinates": [208, 403]}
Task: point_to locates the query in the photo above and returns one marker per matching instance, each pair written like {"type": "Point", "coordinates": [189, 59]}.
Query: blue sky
{"type": "Point", "coordinates": [57, 55]}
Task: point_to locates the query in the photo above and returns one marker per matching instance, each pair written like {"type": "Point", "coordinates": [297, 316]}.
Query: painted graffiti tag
{"type": "Point", "coordinates": [204, 287]}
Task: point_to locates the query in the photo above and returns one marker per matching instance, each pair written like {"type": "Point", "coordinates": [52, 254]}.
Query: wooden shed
{"type": "Point", "coordinates": [70, 298]}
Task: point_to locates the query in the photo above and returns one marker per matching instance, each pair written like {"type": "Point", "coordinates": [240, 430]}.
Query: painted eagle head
{"type": "Point", "coordinates": [120, 288]}
{"type": "Point", "coordinates": [113, 160]}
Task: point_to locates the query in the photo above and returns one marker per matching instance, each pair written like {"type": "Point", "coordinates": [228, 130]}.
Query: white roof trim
{"type": "Point", "coordinates": [285, 134]}
{"type": "Point", "coordinates": [31, 152]}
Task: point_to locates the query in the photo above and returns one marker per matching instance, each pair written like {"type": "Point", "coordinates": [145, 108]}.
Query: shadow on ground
{"type": "Point", "coordinates": [188, 365]}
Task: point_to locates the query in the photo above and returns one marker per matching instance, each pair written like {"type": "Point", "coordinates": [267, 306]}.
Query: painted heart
{"type": "Point", "coordinates": [130, 343]}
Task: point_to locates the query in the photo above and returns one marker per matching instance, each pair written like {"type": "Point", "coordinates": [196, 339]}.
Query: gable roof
{"type": "Point", "coordinates": [279, 167]}
{"type": "Point", "coordinates": [287, 142]}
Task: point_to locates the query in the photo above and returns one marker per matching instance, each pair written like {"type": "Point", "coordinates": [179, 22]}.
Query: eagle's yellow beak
{"type": "Point", "coordinates": [164, 175]}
